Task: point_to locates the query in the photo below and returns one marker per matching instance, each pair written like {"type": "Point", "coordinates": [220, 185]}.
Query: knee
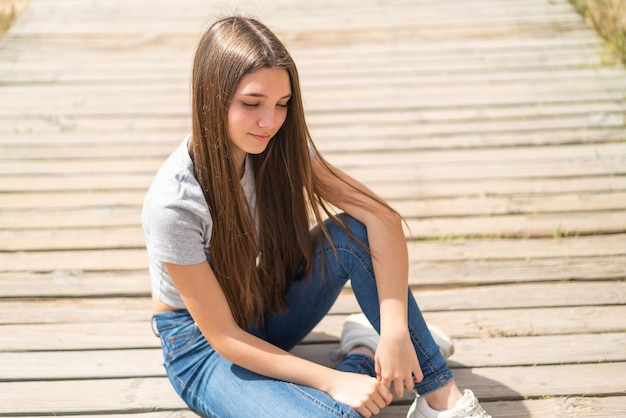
{"type": "Point", "coordinates": [356, 227]}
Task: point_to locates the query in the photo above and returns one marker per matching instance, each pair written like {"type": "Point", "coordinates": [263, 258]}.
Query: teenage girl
{"type": "Point", "coordinates": [246, 256]}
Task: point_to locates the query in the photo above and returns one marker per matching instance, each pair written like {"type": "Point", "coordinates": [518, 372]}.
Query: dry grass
{"type": "Point", "coordinates": [608, 18]}
{"type": "Point", "coordinates": [9, 11]}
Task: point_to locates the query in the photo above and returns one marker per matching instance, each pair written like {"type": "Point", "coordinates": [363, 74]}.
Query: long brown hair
{"type": "Point", "coordinates": [253, 266]}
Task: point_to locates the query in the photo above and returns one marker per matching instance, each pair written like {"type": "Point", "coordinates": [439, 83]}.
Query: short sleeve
{"type": "Point", "coordinates": [175, 234]}
{"type": "Point", "coordinates": [176, 218]}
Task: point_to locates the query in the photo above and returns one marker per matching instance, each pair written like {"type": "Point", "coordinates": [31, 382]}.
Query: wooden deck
{"type": "Point", "coordinates": [492, 125]}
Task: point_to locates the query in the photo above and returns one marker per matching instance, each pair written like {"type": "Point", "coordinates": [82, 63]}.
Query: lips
{"type": "Point", "coordinates": [262, 138]}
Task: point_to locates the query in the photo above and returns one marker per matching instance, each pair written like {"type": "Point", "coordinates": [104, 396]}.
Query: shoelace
{"type": "Point", "coordinates": [476, 411]}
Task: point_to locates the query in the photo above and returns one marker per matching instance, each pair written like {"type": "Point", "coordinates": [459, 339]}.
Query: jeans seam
{"type": "Point", "coordinates": [351, 251]}
{"type": "Point", "coordinates": [440, 379]}
{"type": "Point", "coordinates": [316, 402]}
{"type": "Point", "coordinates": [183, 387]}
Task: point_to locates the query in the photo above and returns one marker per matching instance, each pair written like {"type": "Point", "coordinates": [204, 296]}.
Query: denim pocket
{"type": "Point", "coordinates": [179, 339]}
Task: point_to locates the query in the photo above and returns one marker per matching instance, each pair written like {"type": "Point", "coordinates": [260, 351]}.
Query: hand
{"type": "Point", "coordinates": [364, 393]}
{"type": "Point", "coordinates": [397, 363]}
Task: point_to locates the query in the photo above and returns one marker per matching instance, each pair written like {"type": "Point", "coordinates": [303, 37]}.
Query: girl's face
{"type": "Point", "coordinates": [257, 111]}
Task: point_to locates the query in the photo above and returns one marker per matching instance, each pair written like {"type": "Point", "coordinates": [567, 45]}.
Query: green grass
{"type": "Point", "coordinates": [608, 18]}
{"type": "Point", "coordinates": [9, 11]}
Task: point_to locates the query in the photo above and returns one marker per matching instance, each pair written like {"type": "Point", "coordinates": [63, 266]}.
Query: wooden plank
{"type": "Point", "coordinates": [149, 394]}
{"type": "Point", "coordinates": [524, 226]}
{"type": "Point", "coordinates": [169, 104]}
{"type": "Point", "coordinates": [422, 273]}
{"type": "Point", "coordinates": [532, 351]}
{"type": "Point", "coordinates": [503, 352]}
{"type": "Point", "coordinates": [115, 308]}
{"type": "Point", "coordinates": [497, 85]}
{"type": "Point", "coordinates": [493, 156]}
{"type": "Point", "coordinates": [459, 324]}
{"type": "Point", "coordinates": [69, 200]}
{"type": "Point", "coordinates": [127, 213]}
{"type": "Point", "coordinates": [520, 295]}
{"type": "Point", "coordinates": [58, 311]}
{"type": "Point", "coordinates": [122, 396]}
{"type": "Point", "coordinates": [64, 283]}
{"type": "Point", "coordinates": [470, 273]}
{"type": "Point", "coordinates": [111, 145]}
{"type": "Point", "coordinates": [511, 249]}
{"type": "Point", "coordinates": [391, 165]}
{"type": "Point", "coordinates": [54, 205]}
{"type": "Point", "coordinates": [116, 69]}
{"type": "Point", "coordinates": [339, 21]}
{"type": "Point", "coordinates": [506, 322]}
{"type": "Point", "coordinates": [509, 80]}
{"type": "Point", "coordinates": [97, 260]}
{"type": "Point", "coordinates": [178, 122]}
{"type": "Point", "coordinates": [519, 382]}
{"type": "Point", "coordinates": [113, 236]}
{"type": "Point", "coordinates": [97, 364]}
{"type": "Point", "coordinates": [565, 407]}
{"type": "Point", "coordinates": [450, 187]}
{"type": "Point", "coordinates": [128, 285]}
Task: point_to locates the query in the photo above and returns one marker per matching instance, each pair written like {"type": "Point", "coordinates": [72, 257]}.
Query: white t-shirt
{"type": "Point", "coordinates": [177, 222]}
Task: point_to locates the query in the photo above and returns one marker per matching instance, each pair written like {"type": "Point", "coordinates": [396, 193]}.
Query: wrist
{"type": "Point", "coordinates": [329, 382]}
{"type": "Point", "coordinates": [393, 319]}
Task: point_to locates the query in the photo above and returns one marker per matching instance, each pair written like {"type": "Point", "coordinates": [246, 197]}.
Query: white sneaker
{"type": "Point", "coordinates": [357, 331]}
{"type": "Point", "coordinates": [466, 407]}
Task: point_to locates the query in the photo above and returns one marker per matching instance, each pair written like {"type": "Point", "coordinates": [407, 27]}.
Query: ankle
{"type": "Point", "coordinates": [444, 398]}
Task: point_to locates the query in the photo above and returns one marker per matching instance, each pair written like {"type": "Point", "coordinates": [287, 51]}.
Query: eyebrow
{"type": "Point", "coordinates": [287, 96]}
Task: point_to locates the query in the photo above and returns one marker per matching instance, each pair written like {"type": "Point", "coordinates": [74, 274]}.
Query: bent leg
{"type": "Point", "coordinates": [361, 274]}
{"type": "Point", "coordinates": [214, 387]}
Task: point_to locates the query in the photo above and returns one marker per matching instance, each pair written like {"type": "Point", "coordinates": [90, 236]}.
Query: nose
{"type": "Point", "coordinates": [269, 119]}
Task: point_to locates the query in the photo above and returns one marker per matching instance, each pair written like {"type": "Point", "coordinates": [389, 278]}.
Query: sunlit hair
{"type": "Point", "coordinates": [253, 266]}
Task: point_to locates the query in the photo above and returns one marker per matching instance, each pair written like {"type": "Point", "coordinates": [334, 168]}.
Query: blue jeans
{"type": "Point", "coordinates": [214, 387]}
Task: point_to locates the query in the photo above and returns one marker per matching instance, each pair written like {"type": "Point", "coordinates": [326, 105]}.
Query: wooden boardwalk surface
{"type": "Point", "coordinates": [492, 125]}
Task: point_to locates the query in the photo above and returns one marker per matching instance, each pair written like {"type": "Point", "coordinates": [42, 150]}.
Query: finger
{"type": "Point", "coordinates": [386, 394]}
{"type": "Point", "coordinates": [378, 369]}
{"type": "Point", "coordinates": [409, 381]}
{"type": "Point", "coordinates": [373, 408]}
{"type": "Point", "coordinates": [379, 400]}
{"type": "Point", "coordinates": [398, 386]}
{"type": "Point", "coordinates": [418, 376]}
{"type": "Point", "coordinates": [364, 412]}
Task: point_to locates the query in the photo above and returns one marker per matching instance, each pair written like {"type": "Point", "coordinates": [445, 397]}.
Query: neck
{"type": "Point", "coordinates": [241, 166]}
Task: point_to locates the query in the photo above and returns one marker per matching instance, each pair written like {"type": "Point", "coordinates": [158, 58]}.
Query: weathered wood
{"type": "Point", "coordinates": [111, 145]}
{"type": "Point", "coordinates": [421, 273]}
{"type": "Point", "coordinates": [124, 209]}
{"type": "Point", "coordinates": [459, 324]}
{"type": "Point", "coordinates": [511, 351]}
{"type": "Point", "coordinates": [408, 168]}
{"type": "Point", "coordinates": [65, 294]}
{"type": "Point", "coordinates": [450, 186]}
{"type": "Point", "coordinates": [66, 283]}
{"type": "Point", "coordinates": [503, 352]}
{"type": "Point", "coordinates": [504, 226]}
{"type": "Point", "coordinates": [566, 407]}
{"type": "Point", "coordinates": [149, 394]}
{"type": "Point", "coordinates": [478, 120]}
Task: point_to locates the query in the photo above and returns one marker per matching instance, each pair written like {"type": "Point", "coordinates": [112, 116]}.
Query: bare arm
{"type": "Point", "coordinates": [395, 356]}
{"type": "Point", "coordinates": [200, 289]}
